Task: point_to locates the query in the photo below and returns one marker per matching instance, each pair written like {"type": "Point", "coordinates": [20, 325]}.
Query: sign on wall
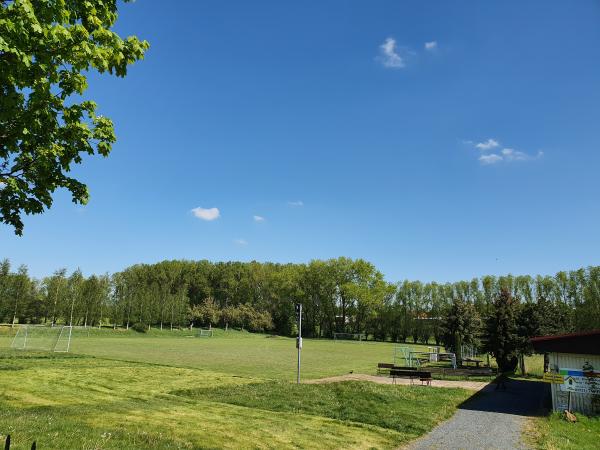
{"type": "Point", "coordinates": [582, 381]}
{"type": "Point", "coordinates": [554, 378]}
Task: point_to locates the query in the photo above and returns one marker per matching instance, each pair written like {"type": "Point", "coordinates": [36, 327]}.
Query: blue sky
{"type": "Point", "coordinates": [352, 129]}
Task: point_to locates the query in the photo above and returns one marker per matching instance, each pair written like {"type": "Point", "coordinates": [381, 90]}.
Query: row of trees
{"type": "Point", "coordinates": [505, 329]}
{"type": "Point", "coordinates": [338, 295]}
{"type": "Point", "coordinates": [55, 299]}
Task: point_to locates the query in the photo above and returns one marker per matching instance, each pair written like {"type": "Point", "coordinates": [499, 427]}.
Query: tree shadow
{"type": "Point", "coordinates": [520, 397]}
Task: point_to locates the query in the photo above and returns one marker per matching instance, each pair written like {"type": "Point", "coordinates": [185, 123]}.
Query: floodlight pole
{"type": "Point", "coordinates": [299, 339]}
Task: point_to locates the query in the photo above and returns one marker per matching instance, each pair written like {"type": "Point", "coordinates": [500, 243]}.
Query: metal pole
{"type": "Point", "coordinates": [299, 341]}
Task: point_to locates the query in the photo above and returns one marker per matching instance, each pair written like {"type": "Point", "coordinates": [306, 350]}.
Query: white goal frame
{"type": "Point", "coordinates": [25, 335]}
{"type": "Point", "coordinates": [66, 332]}
{"type": "Point", "coordinates": [360, 337]}
{"type": "Point", "coordinates": [205, 332]}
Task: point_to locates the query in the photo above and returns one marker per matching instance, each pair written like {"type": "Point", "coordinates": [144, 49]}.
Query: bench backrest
{"type": "Point", "coordinates": [401, 373]}
{"type": "Point", "coordinates": [410, 373]}
{"type": "Point", "coordinates": [385, 366]}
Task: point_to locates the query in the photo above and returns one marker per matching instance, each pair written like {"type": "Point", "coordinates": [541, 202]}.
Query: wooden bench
{"type": "Point", "coordinates": [424, 377]}
{"type": "Point", "coordinates": [384, 367]}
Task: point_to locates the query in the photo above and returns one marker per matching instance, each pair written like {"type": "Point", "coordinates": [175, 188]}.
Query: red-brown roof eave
{"type": "Point", "coordinates": [566, 335]}
{"type": "Point", "coordinates": [585, 343]}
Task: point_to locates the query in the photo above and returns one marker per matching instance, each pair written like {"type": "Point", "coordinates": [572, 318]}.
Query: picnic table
{"type": "Point", "coordinates": [477, 362]}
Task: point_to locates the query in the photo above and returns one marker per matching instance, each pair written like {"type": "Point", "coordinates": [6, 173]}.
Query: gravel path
{"type": "Point", "coordinates": [490, 420]}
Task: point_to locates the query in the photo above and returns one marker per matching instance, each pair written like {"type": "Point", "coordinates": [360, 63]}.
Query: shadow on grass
{"type": "Point", "coordinates": [520, 397]}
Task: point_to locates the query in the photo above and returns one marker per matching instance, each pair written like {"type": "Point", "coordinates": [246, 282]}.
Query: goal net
{"type": "Point", "coordinates": [205, 333]}
{"type": "Point", "coordinates": [42, 338]}
{"type": "Point", "coordinates": [349, 337]}
{"type": "Point", "coordinates": [402, 356]}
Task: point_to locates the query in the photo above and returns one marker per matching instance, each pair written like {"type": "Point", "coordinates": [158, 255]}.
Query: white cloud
{"type": "Point", "coordinates": [388, 54]}
{"type": "Point", "coordinates": [505, 154]}
{"type": "Point", "coordinates": [240, 241]}
{"type": "Point", "coordinates": [492, 158]}
{"type": "Point", "coordinates": [296, 203]}
{"type": "Point", "coordinates": [508, 155]}
{"type": "Point", "coordinates": [514, 155]}
{"type": "Point", "coordinates": [431, 46]}
{"type": "Point", "coordinates": [259, 218]}
{"type": "Point", "coordinates": [206, 213]}
{"type": "Point", "coordinates": [487, 145]}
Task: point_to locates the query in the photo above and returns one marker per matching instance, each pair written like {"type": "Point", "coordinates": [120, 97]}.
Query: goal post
{"type": "Point", "coordinates": [349, 337]}
{"type": "Point", "coordinates": [205, 332]}
{"type": "Point", "coordinates": [63, 342]}
{"type": "Point", "coordinates": [43, 338]}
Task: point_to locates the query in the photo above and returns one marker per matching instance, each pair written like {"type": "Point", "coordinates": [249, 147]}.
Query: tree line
{"type": "Point", "coordinates": [338, 295]}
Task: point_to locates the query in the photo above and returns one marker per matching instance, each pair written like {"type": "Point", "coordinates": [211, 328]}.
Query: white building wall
{"type": "Point", "coordinates": [579, 402]}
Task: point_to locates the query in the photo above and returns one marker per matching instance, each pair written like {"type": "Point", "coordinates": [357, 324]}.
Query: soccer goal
{"type": "Point", "coordinates": [43, 338]}
{"type": "Point", "coordinates": [402, 356]}
{"type": "Point", "coordinates": [205, 332]}
{"type": "Point", "coordinates": [349, 337]}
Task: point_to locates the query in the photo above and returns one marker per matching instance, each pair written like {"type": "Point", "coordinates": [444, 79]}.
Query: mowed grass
{"type": "Point", "coordinates": [234, 352]}
{"type": "Point", "coordinates": [369, 403]}
{"type": "Point", "coordinates": [164, 391]}
{"type": "Point", "coordinates": [554, 433]}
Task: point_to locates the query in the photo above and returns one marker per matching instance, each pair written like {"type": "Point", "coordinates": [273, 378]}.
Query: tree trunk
{"type": "Point", "coordinates": [15, 313]}
{"type": "Point", "coordinates": [458, 349]}
{"type": "Point", "coordinates": [343, 315]}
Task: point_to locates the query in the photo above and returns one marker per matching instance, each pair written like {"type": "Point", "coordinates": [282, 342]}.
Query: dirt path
{"type": "Point", "coordinates": [471, 385]}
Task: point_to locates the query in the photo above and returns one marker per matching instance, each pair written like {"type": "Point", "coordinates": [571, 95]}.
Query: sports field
{"type": "Point", "coordinates": [121, 390]}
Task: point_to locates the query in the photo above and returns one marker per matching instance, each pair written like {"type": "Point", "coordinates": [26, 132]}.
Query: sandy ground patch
{"type": "Point", "coordinates": [471, 385]}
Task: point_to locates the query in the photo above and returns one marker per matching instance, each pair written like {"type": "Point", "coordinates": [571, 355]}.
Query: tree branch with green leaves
{"type": "Point", "coordinates": [47, 47]}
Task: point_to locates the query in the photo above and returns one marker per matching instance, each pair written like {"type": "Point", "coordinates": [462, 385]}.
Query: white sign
{"type": "Point", "coordinates": [581, 381]}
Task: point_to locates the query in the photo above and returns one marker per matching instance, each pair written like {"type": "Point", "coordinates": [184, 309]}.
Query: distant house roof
{"type": "Point", "coordinates": [585, 342]}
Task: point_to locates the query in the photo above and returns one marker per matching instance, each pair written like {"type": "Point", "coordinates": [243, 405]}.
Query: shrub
{"type": "Point", "coordinates": [139, 327]}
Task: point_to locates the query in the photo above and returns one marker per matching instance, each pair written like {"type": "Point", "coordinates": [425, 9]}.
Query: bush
{"type": "Point", "coordinates": [139, 327]}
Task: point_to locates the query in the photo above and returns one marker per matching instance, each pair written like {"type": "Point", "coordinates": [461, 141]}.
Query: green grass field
{"type": "Point", "coordinates": [121, 390]}
{"type": "Point", "coordinates": [232, 352]}
{"type": "Point", "coordinates": [554, 433]}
